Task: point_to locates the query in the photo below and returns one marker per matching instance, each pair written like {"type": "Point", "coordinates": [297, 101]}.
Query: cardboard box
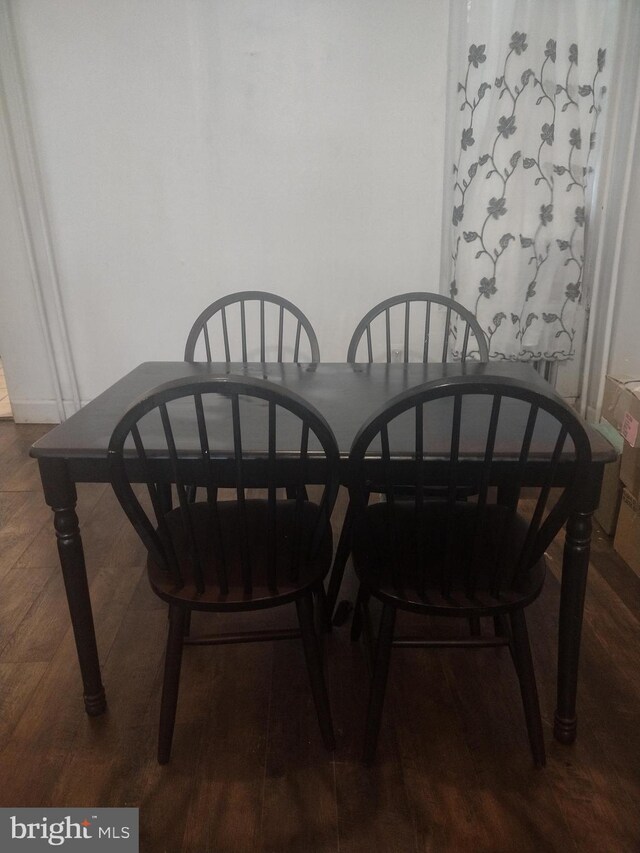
{"type": "Point", "coordinates": [627, 541]}
{"type": "Point", "coordinates": [621, 409]}
{"type": "Point", "coordinates": [630, 430]}
{"type": "Point", "coordinates": [619, 394]}
{"type": "Point", "coordinates": [630, 469]}
{"type": "Point", "coordinates": [607, 513]}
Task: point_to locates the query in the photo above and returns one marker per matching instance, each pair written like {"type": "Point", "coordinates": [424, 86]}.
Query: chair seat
{"type": "Point", "coordinates": [293, 535]}
{"type": "Point", "coordinates": [385, 546]}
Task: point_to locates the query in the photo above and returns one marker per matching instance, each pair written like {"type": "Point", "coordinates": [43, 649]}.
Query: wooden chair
{"type": "Point", "coordinates": [231, 555]}
{"type": "Point", "coordinates": [257, 315]}
{"type": "Point", "coordinates": [418, 327]}
{"type": "Point", "coordinates": [407, 328]}
{"type": "Point", "coordinates": [468, 559]}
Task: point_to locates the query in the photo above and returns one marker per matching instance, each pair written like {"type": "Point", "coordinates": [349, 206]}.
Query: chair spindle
{"type": "Point", "coordinates": [212, 497]}
{"type": "Point", "coordinates": [237, 450]}
{"type": "Point", "coordinates": [452, 492]}
{"type": "Point", "coordinates": [280, 333]}
{"type": "Point", "coordinates": [160, 543]}
{"type": "Point", "coordinates": [427, 330]}
{"type": "Point", "coordinates": [447, 331]}
{"type": "Point", "coordinates": [465, 342]}
{"type": "Point", "coordinates": [225, 335]}
{"type": "Point", "coordinates": [185, 513]}
{"type": "Point", "coordinates": [407, 315]}
{"type": "Point", "coordinates": [296, 348]}
{"type": "Point", "coordinates": [272, 538]}
{"type": "Point", "coordinates": [243, 330]}
{"type": "Point", "coordinates": [207, 343]}
{"type": "Point", "coordinates": [387, 318]}
{"type": "Point", "coordinates": [420, 568]}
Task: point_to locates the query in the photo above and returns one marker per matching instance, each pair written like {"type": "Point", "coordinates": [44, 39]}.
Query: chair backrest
{"type": "Point", "coordinates": [474, 432]}
{"type": "Point", "coordinates": [222, 432]}
{"type": "Point", "coordinates": [418, 327]}
{"type": "Point", "coordinates": [271, 329]}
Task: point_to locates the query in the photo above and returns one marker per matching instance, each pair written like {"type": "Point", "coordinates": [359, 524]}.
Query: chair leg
{"type": "Point", "coordinates": [323, 617]}
{"type": "Point", "coordinates": [304, 606]}
{"type": "Point", "coordinates": [500, 625]}
{"type": "Point", "coordinates": [358, 615]}
{"type": "Point", "coordinates": [172, 662]}
{"type": "Point", "coordinates": [340, 561]}
{"type": "Point", "coordinates": [379, 682]}
{"type": "Point", "coordinates": [292, 493]}
{"type": "Point", "coordinates": [164, 493]}
{"type": "Point", "coordinates": [187, 623]}
{"type": "Point", "coordinates": [521, 653]}
{"type": "Point", "coordinates": [368, 633]}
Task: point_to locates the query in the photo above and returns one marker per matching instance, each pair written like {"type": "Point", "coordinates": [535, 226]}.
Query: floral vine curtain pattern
{"type": "Point", "coordinates": [531, 88]}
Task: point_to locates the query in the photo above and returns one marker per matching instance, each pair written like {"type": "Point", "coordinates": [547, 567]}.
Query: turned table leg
{"type": "Point", "coordinates": [60, 495]}
{"type": "Point", "coordinates": [575, 564]}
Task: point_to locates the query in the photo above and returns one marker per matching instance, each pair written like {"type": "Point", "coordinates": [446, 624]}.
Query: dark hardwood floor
{"type": "Point", "coordinates": [248, 770]}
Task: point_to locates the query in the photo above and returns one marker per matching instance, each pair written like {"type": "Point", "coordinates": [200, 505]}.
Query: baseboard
{"type": "Point", "coordinates": [592, 415]}
{"type": "Point", "coordinates": [40, 411]}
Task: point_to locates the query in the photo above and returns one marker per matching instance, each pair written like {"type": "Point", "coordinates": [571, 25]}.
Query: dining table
{"type": "Point", "coordinates": [346, 394]}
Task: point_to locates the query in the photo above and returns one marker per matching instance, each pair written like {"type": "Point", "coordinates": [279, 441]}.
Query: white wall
{"type": "Point", "coordinates": [22, 348]}
{"type": "Point", "coordinates": [191, 148]}
{"type": "Point", "coordinates": [625, 348]}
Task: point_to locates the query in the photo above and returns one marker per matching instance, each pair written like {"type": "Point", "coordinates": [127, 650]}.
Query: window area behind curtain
{"type": "Point", "coordinates": [529, 91]}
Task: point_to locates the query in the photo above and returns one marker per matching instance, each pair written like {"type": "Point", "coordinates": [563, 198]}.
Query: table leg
{"type": "Point", "coordinates": [60, 495]}
{"type": "Point", "coordinates": [575, 564]}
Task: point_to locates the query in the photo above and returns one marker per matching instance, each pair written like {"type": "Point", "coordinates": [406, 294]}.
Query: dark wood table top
{"type": "Point", "coordinates": [346, 394]}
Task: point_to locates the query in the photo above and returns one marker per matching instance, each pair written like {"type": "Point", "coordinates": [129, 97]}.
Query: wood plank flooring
{"type": "Point", "coordinates": [248, 771]}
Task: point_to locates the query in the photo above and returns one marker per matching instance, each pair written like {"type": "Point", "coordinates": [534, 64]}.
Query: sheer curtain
{"type": "Point", "coordinates": [528, 114]}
